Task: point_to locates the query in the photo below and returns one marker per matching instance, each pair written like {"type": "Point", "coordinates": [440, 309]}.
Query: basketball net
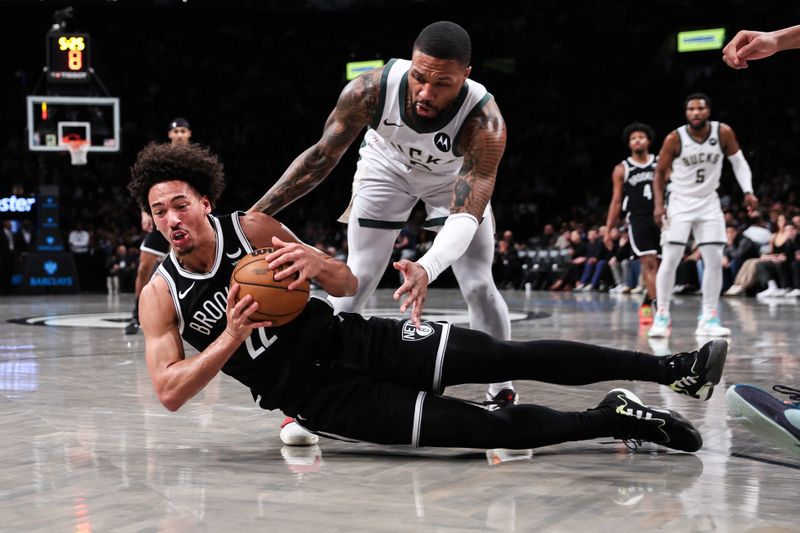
{"type": "Point", "coordinates": [78, 151]}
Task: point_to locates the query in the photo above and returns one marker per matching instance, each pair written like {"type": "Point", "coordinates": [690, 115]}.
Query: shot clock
{"type": "Point", "coordinates": [68, 57]}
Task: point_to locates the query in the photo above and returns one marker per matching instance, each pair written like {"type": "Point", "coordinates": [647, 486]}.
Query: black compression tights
{"type": "Point", "coordinates": [473, 357]}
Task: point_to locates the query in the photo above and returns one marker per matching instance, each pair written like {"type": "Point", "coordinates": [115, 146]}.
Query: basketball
{"type": "Point", "coordinates": [276, 302]}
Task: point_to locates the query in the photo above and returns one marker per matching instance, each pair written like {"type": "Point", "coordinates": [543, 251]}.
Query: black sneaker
{"type": "Point", "coordinates": [697, 372]}
{"type": "Point", "coordinates": [501, 400]}
{"type": "Point", "coordinates": [638, 422]}
{"type": "Point", "coordinates": [132, 327]}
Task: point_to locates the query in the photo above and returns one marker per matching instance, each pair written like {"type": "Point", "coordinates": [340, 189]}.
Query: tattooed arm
{"type": "Point", "coordinates": [483, 142]}
{"type": "Point", "coordinates": [356, 108]}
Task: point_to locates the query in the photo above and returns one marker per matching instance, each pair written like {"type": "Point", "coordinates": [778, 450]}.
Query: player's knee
{"type": "Point", "coordinates": [479, 291]}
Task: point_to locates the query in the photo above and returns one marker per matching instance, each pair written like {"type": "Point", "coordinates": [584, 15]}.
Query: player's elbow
{"type": "Point", "coordinates": [352, 286]}
{"type": "Point", "coordinates": [171, 403]}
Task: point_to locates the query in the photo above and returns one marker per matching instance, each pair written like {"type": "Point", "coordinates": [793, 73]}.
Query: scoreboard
{"type": "Point", "coordinates": [68, 57]}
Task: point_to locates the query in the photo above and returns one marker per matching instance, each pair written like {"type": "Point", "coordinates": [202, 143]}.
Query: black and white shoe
{"type": "Point", "coordinates": [697, 372]}
{"type": "Point", "coordinates": [132, 327]}
{"type": "Point", "coordinates": [638, 422]}
{"type": "Point", "coordinates": [504, 398]}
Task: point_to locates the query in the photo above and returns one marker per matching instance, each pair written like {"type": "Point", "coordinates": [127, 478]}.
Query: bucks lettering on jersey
{"type": "Point", "coordinates": [638, 186]}
{"type": "Point", "coordinates": [266, 361]}
{"type": "Point", "coordinates": [697, 168]}
{"type": "Point", "coordinates": [392, 140]}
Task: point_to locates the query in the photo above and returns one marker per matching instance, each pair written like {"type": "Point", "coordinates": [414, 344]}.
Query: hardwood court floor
{"type": "Point", "coordinates": [87, 447]}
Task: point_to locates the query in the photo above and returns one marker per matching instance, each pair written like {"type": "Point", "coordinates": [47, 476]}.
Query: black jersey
{"type": "Point", "coordinates": [278, 364]}
{"type": "Point", "coordinates": [638, 186]}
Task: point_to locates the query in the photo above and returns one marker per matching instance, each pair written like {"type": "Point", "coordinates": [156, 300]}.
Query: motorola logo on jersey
{"type": "Point", "coordinates": [413, 333]}
{"type": "Point", "coordinates": [712, 141]}
{"type": "Point", "coordinates": [442, 142]}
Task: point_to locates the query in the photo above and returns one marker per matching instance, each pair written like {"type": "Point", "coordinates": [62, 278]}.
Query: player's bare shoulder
{"type": "Point", "coordinates": [484, 126]}
{"type": "Point", "coordinates": [259, 228]}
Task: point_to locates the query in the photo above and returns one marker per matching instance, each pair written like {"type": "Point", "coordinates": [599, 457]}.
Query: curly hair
{"type": "Point", "coordinates": [637, 126]}
{"type": "Point", "coordinates": [192, 163]}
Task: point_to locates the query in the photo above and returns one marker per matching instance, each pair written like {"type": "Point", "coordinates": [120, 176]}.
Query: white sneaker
{"type": "Point", "coordinates": [794, 293]}
{"type": "Point", "coordinates": [710, 326]}
{"type": "Point", "coordinates": [769, 292]}
{"type": "Point", "coordinates": [619, 289]}
{"type": "Point", "coordinates": [294, 435]}
{"type": "Point", "coordinates": [662, 326]}
{"type": "Point", "coordinates": [637, 290]}
{"type": "Point", "coordinates": [734, 290]}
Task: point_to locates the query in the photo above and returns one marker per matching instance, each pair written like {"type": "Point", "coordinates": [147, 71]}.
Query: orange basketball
{"type": "Point", "coordinates": [276, 303]}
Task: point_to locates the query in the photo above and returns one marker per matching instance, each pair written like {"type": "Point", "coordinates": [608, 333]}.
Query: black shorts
{"type": "Point", "coordinates": [155, 243]}
{"type": "Point", "coordinates": [374, 390]}
{"type": "Point", "coordinates": [644, 234]}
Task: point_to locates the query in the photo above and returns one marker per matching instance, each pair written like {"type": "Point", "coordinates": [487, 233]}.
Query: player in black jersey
{"type": "Point", "coordinates": [154, 247]}
{"type": "Point", "coordinates": [376, 380]}
{"type": "Point", "coordinates": [633, 194]}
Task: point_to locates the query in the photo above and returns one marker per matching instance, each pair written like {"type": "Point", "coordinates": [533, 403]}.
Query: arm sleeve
{"type": "Point", "coordinates": [450, 244]}
{"type": "Point", "coordinates": [742, 171]}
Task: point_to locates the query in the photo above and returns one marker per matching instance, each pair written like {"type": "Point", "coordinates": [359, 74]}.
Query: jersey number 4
{"type": "Point", "coordinates": [647, 192]}
{"type": "Point", "coordinates": [701, 175]}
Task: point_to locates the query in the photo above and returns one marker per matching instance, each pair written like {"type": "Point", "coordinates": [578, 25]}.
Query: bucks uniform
{"type": "Point", "coordinates": [693, 204]}
{"type": "Point", "coordinates": [400, 164]}
{"type": "Point", "coordinates": [637, 188]}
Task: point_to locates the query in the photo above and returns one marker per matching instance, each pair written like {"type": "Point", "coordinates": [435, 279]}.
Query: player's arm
{"type": "Point", "coordinates": [356, 108]}
{"type": "Point", "coordinates": [750, 45]}
{"type": "Point", "coordinates": [615, 206]}
{"type": "Point", "coordinates": [482, 143]}
{"type": "Point", "coordinates": [308, 262]}
{"type": "Point", "coordinates": [177, 379]}
{"type": "Point", "coordinates": [741, 169]}
{"type": "Point", "coordinates": [665, 158]}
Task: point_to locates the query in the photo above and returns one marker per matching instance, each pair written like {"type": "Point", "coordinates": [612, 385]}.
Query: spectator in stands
{"type": "Point", "coordinates": [578, 251]}
{"type": "Point", "coordinates": [775, 268]}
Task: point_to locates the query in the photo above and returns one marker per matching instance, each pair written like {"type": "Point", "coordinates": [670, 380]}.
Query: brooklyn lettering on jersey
{"type": "Point", "coordinates": [700, 158]}
{"type": "Point", "coordinates": [641, 177]}
{"type": "Point", "coordinates": [210, 312]}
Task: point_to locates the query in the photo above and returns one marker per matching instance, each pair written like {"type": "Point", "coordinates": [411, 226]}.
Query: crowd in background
{"type": "Point", "coordinates": [258, 94]}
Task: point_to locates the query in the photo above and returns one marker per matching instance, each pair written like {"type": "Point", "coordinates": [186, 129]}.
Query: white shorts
{"type": "Point", "coordinates": [383, 199]}
{"type": "Point", "coordinates": [699, 215]}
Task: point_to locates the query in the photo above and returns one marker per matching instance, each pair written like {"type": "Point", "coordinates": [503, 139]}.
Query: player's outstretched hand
{"type": "Point", "coordinates": [747, 46]}
{"type": "Point", "coordinates": [239, 324]}
{"type": "Point", "coordinates": [298, 258]}
{"type": "Point", "coordinates": [415, 284]}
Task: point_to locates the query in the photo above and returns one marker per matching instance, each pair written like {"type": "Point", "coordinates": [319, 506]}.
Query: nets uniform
{"type": "Point", "coordinates": [155, 243]}
{"type": "Point", "coordinates": [400, 165]}
{"type": "Point", "coordinates": [638, 203]}
{"type": "Point", "coordinates": [323, 369]}
{"type": "Point", "coordinates": [379, 380]}
{"type": "Point", "coordinates": [693, 201]}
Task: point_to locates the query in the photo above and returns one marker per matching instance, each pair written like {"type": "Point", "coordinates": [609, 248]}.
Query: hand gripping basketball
{"type": "Point", "coordinates": [276, 303]}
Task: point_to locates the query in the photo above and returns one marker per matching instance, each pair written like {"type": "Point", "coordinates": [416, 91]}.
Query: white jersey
{"type": "Point", "coordinates": [392, 141]}
{"type": "Point", "coordinates": [696, 170]}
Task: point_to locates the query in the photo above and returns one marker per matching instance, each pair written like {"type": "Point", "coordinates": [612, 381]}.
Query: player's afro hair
{"type": "Point", "coordinates": [637, 126]}
{"type": "Point", "coordinates": [445, 40]}
{"type": "Point", "coordinates": [191, 163]}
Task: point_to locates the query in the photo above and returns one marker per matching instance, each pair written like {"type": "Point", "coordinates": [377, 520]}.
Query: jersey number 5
{"type": "Point", "coordinates": [701, 175]}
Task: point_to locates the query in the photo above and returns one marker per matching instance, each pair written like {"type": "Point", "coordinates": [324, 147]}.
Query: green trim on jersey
{"type": "Point", "coordinates": [380, 224]}
{"type": "Point", "coordinates": [475, 110]}
{"type": "Point", "coordinates": [439, 122]}
{"type": "Point", "coordinates": [382, 95]}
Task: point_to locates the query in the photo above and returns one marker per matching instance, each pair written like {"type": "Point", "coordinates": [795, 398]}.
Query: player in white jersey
{"type": "Point", "coordinates": [694, 153]}
{"type": "Point", "coordinates": [433, 135]}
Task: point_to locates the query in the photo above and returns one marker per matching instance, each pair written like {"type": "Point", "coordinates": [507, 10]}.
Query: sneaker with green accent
{"type": "Point", "coordinates": [710, 326]}
{"type": "Point", "coordinates": [638, 422]}
{"type": "Point", "coordinates": [697, 372]}
{"type": "Point", "coordinates": [662, 325]}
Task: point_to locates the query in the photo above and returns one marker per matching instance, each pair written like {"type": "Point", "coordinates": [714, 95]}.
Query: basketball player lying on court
{"type": "Point", "coordinates": [376, 380]}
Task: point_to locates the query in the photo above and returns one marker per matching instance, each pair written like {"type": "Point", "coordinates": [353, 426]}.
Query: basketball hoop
{"type": "Point", "coordinates": [78, 149]}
